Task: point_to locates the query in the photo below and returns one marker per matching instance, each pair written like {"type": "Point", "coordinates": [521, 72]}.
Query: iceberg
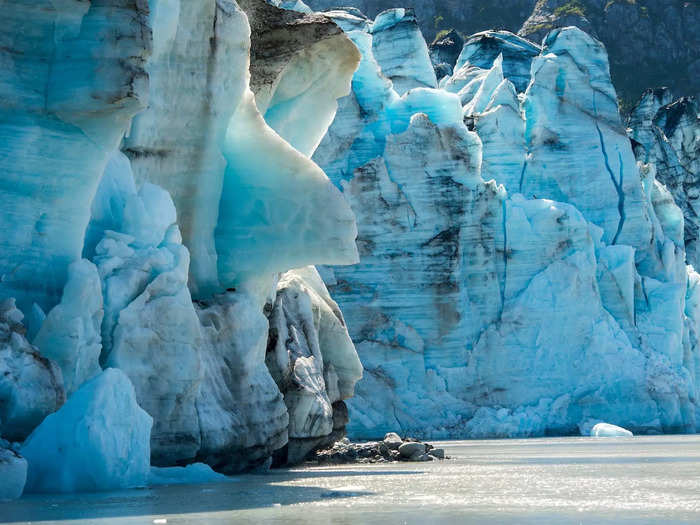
{"type": "Point", "coordinates": [13, 473]}
{"type": "Point", "coordinates": [194, 474]}
{"type": "Point", "coordinates": [98, 440]}
{"type": "Point", "coordinates": [607, 430]}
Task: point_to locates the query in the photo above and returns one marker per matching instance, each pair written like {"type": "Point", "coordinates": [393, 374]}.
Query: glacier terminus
{"type": "Point", "coordinates": [236, 232]}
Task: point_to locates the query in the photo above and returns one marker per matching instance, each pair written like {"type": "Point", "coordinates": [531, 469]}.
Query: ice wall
{"type": "Point", "coordinates": [133, 140]}
{"type": "Point", "coordinates": [521, 273]}
{"type": "Point", "coordinates": [70, 85]}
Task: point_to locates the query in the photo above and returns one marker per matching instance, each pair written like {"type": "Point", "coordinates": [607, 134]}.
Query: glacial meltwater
{"type": "Point", "coordinates": [636, 480]}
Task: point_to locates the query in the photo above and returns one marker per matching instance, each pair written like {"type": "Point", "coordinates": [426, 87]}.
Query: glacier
{"type": "Point", "coordinates": [151, 218]}
{"type": "Point", "coordinates": [522, 270]}
{"type": "Point", "coordinates": [235, 231]}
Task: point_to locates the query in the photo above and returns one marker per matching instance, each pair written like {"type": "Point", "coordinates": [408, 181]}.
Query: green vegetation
{"type": "Point", "coordinates": [574, 7]}
{"type": "Point", "coordinates": [613, 2]}
{"type": "Point", "coordinates": [438, 21]}
{"type": "Point", "coordinates": [539, 27]}
{"type": "Point", "coordinates": [440, 34]}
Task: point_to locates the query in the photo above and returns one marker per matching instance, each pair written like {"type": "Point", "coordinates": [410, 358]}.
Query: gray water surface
{"type": "Point", "coordinates": [554, 480]}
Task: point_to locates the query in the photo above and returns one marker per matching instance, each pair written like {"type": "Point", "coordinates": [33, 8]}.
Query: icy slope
{"type": "Point", "coordinates": [189, 195]}
{"type": "Point", "coordinates": [552, 295]}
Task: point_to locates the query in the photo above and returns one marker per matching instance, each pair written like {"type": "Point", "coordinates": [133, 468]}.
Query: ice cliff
{"type": "Point", "coordinates": [158, 304]}
{"type": "Point", "coordinates": [521, 272]}
{"type": "Point", "coordinates": [174, 170]}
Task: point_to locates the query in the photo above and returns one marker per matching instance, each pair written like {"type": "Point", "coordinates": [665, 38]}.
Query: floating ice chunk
{"type": "Point", "coordinates": [608, 430]}
{"type": "Point", "coordinates": [13, 473]}
{"type": "Point", "coordinates": [194, 474]}
{"type": "Point", "coordinates": [98, 440]}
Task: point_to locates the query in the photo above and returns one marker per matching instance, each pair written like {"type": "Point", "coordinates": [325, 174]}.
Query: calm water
{"type": "Point", "coordinates": [571, 480]}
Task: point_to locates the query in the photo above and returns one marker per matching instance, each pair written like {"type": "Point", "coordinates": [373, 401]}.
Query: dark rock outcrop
{"type": "Point", "coordinates": [650, 42]}
{"type": "Point", "coordinates": [467, 16]}
{"type": "Point", "coordinates": [444, 51]}
{"type": "Point", "coordinates": [392, 448]}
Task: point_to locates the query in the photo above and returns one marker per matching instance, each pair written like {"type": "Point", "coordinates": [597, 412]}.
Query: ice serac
{"type": "Point", "coordinates": [244, 206]}
{"type": "Point", "coordinates": [198, 369]}
{"type": "Point", "coordinates": [401, 51]}
{"type": "Point", "coordinates": [298, 61]}
{"type": "Point", "coordinates": [444, 52]}
{"type": "Point", "coordinates": [552, 295]}
{"type": "Point", "coordinates": [69, 87]}
{"type": "Point", "coordinates": [197, 74]}
{"type": "Point", "coordinates": [232, 179]}
{"type": "Point", "coordinates": [150, 330]}
{"type": "Point", "coordinates": [483, 48]}
{"type": "Point", "coordinates": [571, 105]}
{"type": "Point", "coordinates": [666, 133]}
{"type": "Point", "coordinates": [313, 361]}
{"type": "Point", "coordinates": [71, 333]}
{"type": "Point", "coordinates": [242, 415]}
{"type": "Point", "coordinates": [98, 440]}
{"type": "Point", "coordinates": [31, 386]}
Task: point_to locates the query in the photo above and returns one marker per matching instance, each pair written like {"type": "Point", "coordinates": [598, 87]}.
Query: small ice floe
{"type": "Point", "coordinates": [195, 474]}
{"type": "Point", "coordinates": [608, 430]}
